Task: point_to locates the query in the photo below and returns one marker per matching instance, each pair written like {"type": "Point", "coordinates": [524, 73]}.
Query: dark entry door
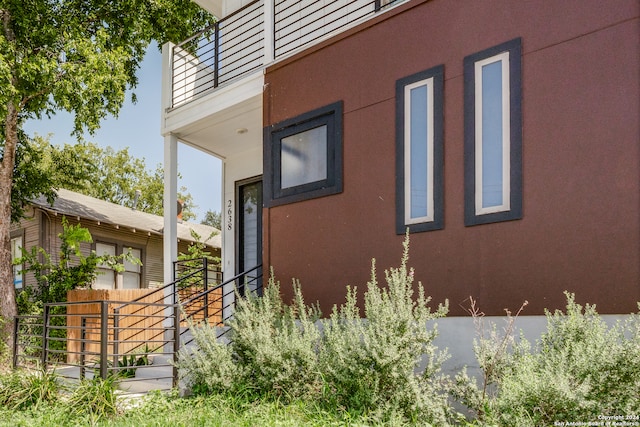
{"type": "Point", "coordinates": [249, 242]}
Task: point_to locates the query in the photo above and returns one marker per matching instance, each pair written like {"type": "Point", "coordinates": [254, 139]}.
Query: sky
{"type": "Point", "coordinates": [138, 127]}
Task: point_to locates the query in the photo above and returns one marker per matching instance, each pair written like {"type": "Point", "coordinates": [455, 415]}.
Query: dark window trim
{"type": "Point", "coordinates": [514, 47]}
{"type": "Point", "coordinates": [331, 116]}
{"type": "Point", "coordinates": [437, 73]}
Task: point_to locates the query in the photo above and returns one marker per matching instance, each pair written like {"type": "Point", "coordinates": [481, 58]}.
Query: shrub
{"type": "Point", "coordinates": [272, 350]}
{"type": "Point", "coordinates": [209, 368]}
{"type": "Point", "coordinates": [371, 365]}
{"type": "Point", "coordinates": [580, 369]}
{"type": "Point", "coordinates": [365, 367]}
{"type": "Point", "coordinates": [24, 389]}
{"type": "Point", "coordinates": [94, 398]}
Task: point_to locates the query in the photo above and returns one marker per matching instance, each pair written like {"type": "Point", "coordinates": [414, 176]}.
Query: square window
{"type": "Point", "coordinates": [303, 157]}
{"type": "Point", "coordinates": [419, 151]}
{"type": "Point", "coordinates": [493, 134]}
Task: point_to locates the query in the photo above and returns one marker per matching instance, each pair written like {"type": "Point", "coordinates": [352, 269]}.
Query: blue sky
{"type": "Point", "coordinates": [138, 127]}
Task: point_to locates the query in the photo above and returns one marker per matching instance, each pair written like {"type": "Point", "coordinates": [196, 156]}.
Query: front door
{"type": "Point", "coordinates": [249, 239]}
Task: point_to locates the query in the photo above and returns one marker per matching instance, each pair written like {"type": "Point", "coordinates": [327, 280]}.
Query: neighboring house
{"type": "Point", "coordinates": [115, 230]}
{"type": "Point", "coordinates": [504, 134]}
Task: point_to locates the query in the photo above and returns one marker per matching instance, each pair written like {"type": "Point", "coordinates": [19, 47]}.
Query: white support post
{"type": "Point", "coordinates": [269, 31]}
{"type": "Point", "coordinates": [170, 235]}
{"type": "Point", "coordinates": [170, 241]}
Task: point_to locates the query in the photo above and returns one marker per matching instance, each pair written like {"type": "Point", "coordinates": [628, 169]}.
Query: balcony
{"type": "Point", "coordinates": [256, 35]}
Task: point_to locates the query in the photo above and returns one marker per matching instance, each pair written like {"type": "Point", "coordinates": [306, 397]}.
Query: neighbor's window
{"type": "Point", "coordinates": [131, 274]}
{"type": "Point", "coordinates": [493, 134]}
{"type": "Point", "coordinates": [108, 278]}
{"type": "Point", "coordinates": [16, 252]}
{"type": "Point", "coordinates": [303, 156]}
{"type": "Point", "coordinates": [419, 159]}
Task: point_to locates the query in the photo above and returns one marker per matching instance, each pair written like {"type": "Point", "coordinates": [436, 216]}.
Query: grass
{"type": "Point", "coordinates": [158, 409]}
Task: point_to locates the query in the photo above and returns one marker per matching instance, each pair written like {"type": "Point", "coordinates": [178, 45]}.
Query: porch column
{"type": "Point", "coordinates": [170, 240]}
{"type": "Point", "coordinates": [269, 31]}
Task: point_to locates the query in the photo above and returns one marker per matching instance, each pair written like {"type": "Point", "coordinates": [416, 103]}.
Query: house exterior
{"type": "Point", "coordinates": [115, 229]}
{"type": "Point", "coordinates": [504, 135]}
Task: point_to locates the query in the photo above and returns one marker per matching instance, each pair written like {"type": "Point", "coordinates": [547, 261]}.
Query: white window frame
{"type": "Point", "coordinates": [408, 220]}
{"type": "Point", "coordinates": [506, 138]}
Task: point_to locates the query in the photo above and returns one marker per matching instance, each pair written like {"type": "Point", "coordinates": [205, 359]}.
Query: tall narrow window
{"type": "Point", "coordinates": [131, 274]}
{"type": "Point", "coordinates": [16, 252]}
{"type": "Point", "coordinates": [106, 277]}
{"type": "Point", "coordinates": [419, 160]}
{"type": "Point", "coordinates": [493, 134]}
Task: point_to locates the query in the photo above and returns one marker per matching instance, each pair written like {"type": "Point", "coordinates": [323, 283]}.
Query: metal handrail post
{"type": "Point", "coordinates": [205, 265]}
{"type": "Point", "coordinates": [116, 336]}
{"type": "Point", "coordinates": [45, 334]}
{"type": "Point", "coordinates": [83, 346]}
{"type": "Point", "coordinates": [176, 343]}
{"type": "Point", "coordinates": [16, 327]}
{"type": "Point", "coordinates": [103, 338]}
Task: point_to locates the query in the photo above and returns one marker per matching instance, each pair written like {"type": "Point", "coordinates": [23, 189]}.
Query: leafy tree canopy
{"type": "Point", "coordinates": [213, 219]}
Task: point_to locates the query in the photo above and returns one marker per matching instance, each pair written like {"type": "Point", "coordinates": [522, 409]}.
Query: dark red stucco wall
{"type": "Point", "coordinates": [581, 157]}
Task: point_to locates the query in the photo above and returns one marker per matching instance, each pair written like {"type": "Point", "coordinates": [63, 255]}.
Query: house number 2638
{"type": "Point", "coordinates": [229, 215]}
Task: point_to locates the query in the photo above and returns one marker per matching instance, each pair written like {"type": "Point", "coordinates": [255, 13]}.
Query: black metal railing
{"type": "Point", "coordinates": [235, 45]}
{"type": "Point", "coordinates": [137, 340]}
{"type": "Point", "coordinates": [230, 48]}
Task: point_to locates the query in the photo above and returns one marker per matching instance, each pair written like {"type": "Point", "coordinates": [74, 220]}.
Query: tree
{"type": "Point", "coordinates": [117, 176]}
{"type": "Point", "coordinates": [39, 169]}
{"type": "Point", "coordinates": [213, 219]}
{"type": "Point", "coordinates": [75, 55]}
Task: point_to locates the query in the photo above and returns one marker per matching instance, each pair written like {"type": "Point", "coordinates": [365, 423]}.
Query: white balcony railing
{"type": "Point", "coordinates": [257, 34]}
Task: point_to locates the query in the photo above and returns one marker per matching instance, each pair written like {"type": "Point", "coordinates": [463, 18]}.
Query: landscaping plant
{"type": "Point", "coordinates": [579, 370]}
{"type": "Point", "coordinates": [383, 366]}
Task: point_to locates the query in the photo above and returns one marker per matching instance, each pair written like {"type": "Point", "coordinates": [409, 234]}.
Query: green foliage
{"type": "Point", "coordinates": [213, 219]}
{"type": "Point", "coordinates": [94, 398]}
{"type": "Point", "coordinates": [367, 367]}
{"type": "Point", "coordinates": [579, 369]}
{"type": "Point", "coordinates": [24, 389]}
{"type": "Point", "coordinates": [72, 270]}
{"type": "Point", "coordinates": [191, 263]}
{"type": "Point", "coordinates": [275, 344]}
{"type": "Point", "coordinates": [79, 56]}
{"type": "Point", "coordinates": [370, 366]}
{"type": "Point", "coordinates": [115, 176]}
{"type": "Point", "coordinates": [54, 279]}
{"type": "Point", "coordinates": [40, 169]}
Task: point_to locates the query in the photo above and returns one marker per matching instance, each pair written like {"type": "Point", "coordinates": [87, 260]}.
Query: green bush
{"type": "Point", "coordinates": [366, 367]}
{"type": "Point", "coordinates": [24, 389]}
{"type": "Point", "coordinates": [580, 369]}
{"type": "Point", "coordinates": [94, 398]}
{"type": "Point", "coordinates": [370, 365]}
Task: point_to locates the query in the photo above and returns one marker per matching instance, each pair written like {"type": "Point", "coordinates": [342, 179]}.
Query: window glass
{"type": "Point", "coordinates": [304, 157]}
{"type": "Point", "coordinates": [106, 277]}
{"type": "Point", "coordinates": [16, 252]}
{"type": "Point", "coordinates": [131, 275]}
{"type": "Point", "coordinates": [492, 135]}
{"type": "Point", "coordinates": [419, 151]}
{"type": "Point", "coordinates": [419, 147]}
